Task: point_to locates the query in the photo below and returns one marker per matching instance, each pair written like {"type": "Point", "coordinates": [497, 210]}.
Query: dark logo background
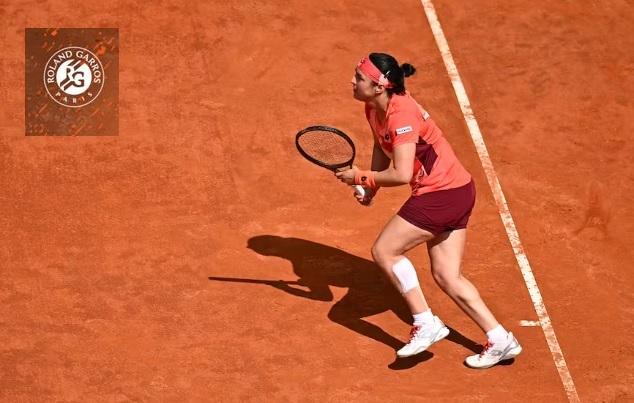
{"type": "Point", "coordinates": [89, 104]}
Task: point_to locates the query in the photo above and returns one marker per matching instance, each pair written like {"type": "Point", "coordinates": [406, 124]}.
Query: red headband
{"type": "Point", "coordinates": [369, 69]}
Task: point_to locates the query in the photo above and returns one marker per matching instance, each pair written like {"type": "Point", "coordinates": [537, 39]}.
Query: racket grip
{"type": "Point", "coordinates": [358, 189]}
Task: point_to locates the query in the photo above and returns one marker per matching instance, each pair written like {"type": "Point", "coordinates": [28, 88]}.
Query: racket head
{"type": "Point", "coordinates": [326, 146]}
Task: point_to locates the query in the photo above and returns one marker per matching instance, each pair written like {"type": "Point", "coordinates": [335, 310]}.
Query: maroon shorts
{"type": "Point", "coordinates": [440, 211]}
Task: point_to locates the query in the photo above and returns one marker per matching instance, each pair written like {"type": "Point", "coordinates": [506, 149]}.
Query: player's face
{"type": "Point", "coordinates": [363, 88]}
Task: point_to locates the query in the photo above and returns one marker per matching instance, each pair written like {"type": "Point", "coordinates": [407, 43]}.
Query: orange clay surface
{"type": "Point", "coordinates": [108, 243]}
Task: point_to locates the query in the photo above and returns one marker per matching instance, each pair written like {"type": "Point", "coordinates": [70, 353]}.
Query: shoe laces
{"type": "Point", "coordinates": [486, 348]}
{"type": "Point", "coordinates": [413, 332]}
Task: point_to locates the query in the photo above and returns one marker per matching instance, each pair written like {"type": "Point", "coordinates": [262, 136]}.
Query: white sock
{"type": "Point", "coordinates": [423, 319]}
{"type": "Point", "coordinates": [498, 333]}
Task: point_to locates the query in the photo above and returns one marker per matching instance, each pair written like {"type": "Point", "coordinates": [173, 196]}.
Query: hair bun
{"type": "Point", "coordinates": [408, 69]}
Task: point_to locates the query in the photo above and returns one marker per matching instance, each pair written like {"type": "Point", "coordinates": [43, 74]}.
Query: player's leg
{"type": "Point", "coordinates": [398, 237]}
{"type": "Point", "coordinates": [445, 254]}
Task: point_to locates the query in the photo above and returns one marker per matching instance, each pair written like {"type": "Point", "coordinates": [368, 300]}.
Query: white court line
{"type": "Point", "coordinates": [503, 209]}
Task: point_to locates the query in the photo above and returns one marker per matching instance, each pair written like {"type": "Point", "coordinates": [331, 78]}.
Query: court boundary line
{"type": "Point", "coordinates": [500, 201]}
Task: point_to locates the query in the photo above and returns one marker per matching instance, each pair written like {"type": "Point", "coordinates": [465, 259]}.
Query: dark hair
{"type": "Point", "coordinates": [388, 65]}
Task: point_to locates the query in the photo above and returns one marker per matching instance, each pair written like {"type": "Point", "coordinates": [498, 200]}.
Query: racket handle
{"type": "Point", "coordinates": [358, 189]}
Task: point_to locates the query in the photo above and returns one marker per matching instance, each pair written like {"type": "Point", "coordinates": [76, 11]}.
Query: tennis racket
{"type": "Point", "coordinates": [327, 147]}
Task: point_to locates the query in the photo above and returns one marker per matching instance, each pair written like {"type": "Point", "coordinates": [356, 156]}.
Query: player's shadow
{"type": "Point", "coordinates": [319, 266]}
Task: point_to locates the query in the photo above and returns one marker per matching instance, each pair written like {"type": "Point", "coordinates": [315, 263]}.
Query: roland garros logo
{"type": "Point", "coordinates": [73, 77]}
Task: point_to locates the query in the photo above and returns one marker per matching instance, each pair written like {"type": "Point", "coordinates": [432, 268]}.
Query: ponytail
{"type": "Point", "coordinates": [388, 65]}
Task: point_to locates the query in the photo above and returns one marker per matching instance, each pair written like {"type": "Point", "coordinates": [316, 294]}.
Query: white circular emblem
{"type": "Point", "coordinates": [73, 77]}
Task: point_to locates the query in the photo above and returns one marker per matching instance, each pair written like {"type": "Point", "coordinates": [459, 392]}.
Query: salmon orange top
{"type": "Point", "coordinates": [436, 167]}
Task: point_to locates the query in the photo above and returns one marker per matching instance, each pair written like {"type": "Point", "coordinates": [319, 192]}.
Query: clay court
{"type": "Point", "coordinates": [112, 247]}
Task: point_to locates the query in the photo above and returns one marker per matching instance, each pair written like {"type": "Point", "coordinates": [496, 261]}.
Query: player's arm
{"type": "Point", "coordinates": [403, 133]}
{"type": "Point", "coordinates": [400, 172]}
{"type": "Point", "coordinates": [380, 161]}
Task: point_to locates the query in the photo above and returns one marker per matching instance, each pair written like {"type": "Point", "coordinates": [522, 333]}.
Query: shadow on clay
{"type": "Point", "coordinates": [319, 266]}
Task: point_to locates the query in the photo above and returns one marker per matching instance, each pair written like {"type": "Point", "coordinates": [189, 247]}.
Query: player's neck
{"type": "Point", "coordinates": [380, 104]}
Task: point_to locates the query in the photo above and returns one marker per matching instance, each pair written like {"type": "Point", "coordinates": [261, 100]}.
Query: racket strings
{"type": "Point", "coordinates": [327, 147]}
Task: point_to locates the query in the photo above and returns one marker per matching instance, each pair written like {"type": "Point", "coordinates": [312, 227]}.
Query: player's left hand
{"type": "Point", "coordinates": [347, 176]}
{"type": "Point", "coordinates": [365, 200]}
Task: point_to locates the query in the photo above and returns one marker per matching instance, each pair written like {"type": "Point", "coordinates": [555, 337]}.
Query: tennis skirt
{"type": "Point", "coordinates": [440, 211]}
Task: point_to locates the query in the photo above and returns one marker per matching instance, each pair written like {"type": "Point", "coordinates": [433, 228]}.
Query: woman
{"type": "Point", "coordinates": [443, 195]}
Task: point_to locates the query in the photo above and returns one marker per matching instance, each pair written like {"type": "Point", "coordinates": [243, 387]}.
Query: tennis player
{"type": "Point", "coordinates": [410, 149]}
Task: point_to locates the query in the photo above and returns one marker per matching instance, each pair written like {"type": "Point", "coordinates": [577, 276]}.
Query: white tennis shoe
{"type": "Point", "coordinates": [495, 352]}
{"type": "Point", "coordinates": [421, 338]}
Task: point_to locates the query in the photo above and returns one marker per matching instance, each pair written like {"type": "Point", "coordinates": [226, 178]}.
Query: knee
{"type": "Point", "coordinates": [452, 285]}
{"type": "Point", "coordinates": [445, 282]}
{"type": "Point", "coordinates": [380, 255]}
